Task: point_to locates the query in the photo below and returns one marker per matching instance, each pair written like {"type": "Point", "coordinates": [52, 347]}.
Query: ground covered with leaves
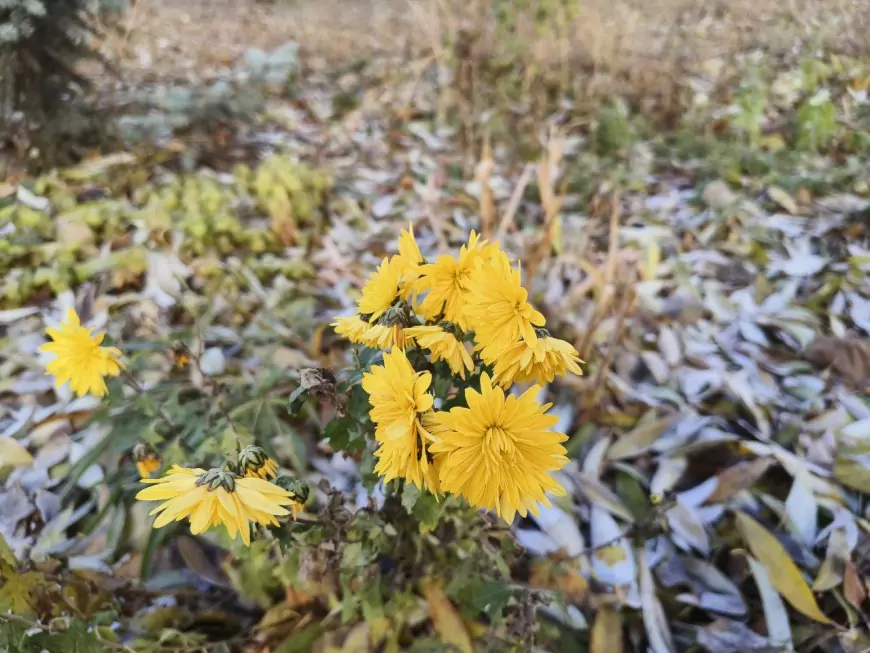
{"type": "Point", "coordinates": [712, 276]}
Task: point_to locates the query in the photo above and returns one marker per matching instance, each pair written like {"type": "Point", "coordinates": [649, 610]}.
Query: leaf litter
{"type": "Point", "coordinates": [720, 430]}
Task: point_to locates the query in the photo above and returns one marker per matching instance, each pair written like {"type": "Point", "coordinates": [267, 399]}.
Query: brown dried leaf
{"type": "Point", "coordinates": [849, 357]}
{"type": "Point", "coordinates": [740, 477]}
{"type": "Point", "coordinates": [854, 588]}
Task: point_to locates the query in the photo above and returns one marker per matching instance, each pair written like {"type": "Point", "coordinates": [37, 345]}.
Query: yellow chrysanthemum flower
{"type": "Point", "coordinates": [79, 357]}
{"type": "Point", "coordinates": [539, 363]}
{"type": "Point", "coordinates": [443, 345]}
{"type": "Point", "coordinates": [399, 397]}
{"type": "Point", "coordinates": [497, 309]}
{"type": "Point", "coordinates": [381, 290]}
{"type": "Point", "coordinates": [446, 281]}
{"type": "Point", "coordinates": [382, 336]}
{"type": "Point", "coordinates": [409, 260]}
{"type": "Point", "coordinates": [213, 498]}
{"type": "Point", "coordinates": [498, 453]}
{"type": "Point", "coordinates": [352, 327]}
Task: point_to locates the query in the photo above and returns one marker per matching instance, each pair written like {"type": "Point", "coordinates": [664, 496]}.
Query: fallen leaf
{"type": "Point", "coordinates": [854, 588]}
{"type": "Point", "coordinates": [783, 572]}
{"type": "Point", "coordinates": [728, 636]}
{"type": "Point", "coordinates": [654, 620]}
{"type": "Point", "coordinates": [639, 439]}
{"type": "Point", "coordinates": [737, 478]}
{"type": "Point", "coordinates": [446, 620]}
{"type": "Point", "coordinates": [13, 454]}
{"type": "Point", "coordinates": [849, 357]}
{"type": "Point", "coordinates": [782, 198]}
{"type": "Point", "coordinates": [775, 615]}
{"type": "Point", "coordinates": [606, 634]}
{"type": "Point", "coordinates": [357, 640]}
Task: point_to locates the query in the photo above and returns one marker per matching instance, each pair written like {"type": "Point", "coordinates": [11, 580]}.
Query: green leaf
{"type": "Point", "coordinates": [492, 597]}
{"type": "Point", "coordinates": [410, 494]}
{"type": "Point", "coordinates": [427, 511]}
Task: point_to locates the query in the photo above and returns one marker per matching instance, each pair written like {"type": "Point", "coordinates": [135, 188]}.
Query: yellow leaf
{"type": "Point", "coordinates": [611, 555]}
{"type": "Point", "coordinates": [783, 572]}
{"type": "Point", "coordinates": [357, 640]}
{"type": "Point", "coordinates": [606, 632]}
{"type": "Point", "coordinates": [13, 454]}
{"type": "Point", "coordinates": [17, 589]}
{"type": "Point", "coordinates": [651, 262]}
{"type": "Point", "coordinates": [446, 620]}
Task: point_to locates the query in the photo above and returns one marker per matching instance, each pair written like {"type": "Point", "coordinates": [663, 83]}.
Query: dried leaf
{"type": "Point", "coordinates": [775, 615]}
{"type": "Point", "coordinates": [854, 588]}
{"type": "Point", "coordinates": [739, 477]}
{"type": "Point", "coordinates": [13, 454]}
{"type": "Point", "coordinates": [834, 565]}
{"type": "Point", "coordinates": [783, 572]}
{"type": "Point", "coordinates": [357, 640]}
{"type": "Point", "coordinates": [727, 636]}
{"type": "Point", "coordinates": [446, 620]}
{"type": "Point", "coordinates": [639, 439]}
{"type": "Point", "coordinates": [782, 198]}
{"type": "Point", "coordinates": [606, 634]}
{"type": "Point", "coordinates": [849, 357]}
{"type": "Point", "coordinates": [801, 508]}
{"type": "Point", "coordinates": [654, 620]}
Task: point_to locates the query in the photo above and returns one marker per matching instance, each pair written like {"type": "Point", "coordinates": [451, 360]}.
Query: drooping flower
{"type": "Point", "coordinates": [79, 357]}
{"type": "Point", "coordinates": [381, 289]}
{"type": "Point", "coordinates": [381, 336]}
{"type": "Point", "coordinates": [497, 309]}
{"type": "Point", "coordinates": [147, 460]}
{"type": "Point", "coordinates": [254, 463]}
{"type": "Point", "coordinates": [352, 327]}
{"type": "Point", "coordinates": [522, 362]}
{"type": "Point", "coordinates": [215, 497]}
{"type": "Point", "coordinates": [499, 452]}
{"type": "Point", "coordinates": [443, 345]}
{"type": "Point", "coordinates": [399, 397]}
{"type": "Point", "coordinates": [446, 281]}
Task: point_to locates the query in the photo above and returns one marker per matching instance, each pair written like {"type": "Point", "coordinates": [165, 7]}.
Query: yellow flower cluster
{"type": "Point", "coordinates": [498, 450]}
{"type": "Point", "coordinates": [234, 495]}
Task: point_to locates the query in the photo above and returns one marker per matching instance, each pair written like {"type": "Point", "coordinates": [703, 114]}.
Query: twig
{"type": "Point", "coordinates": [614, 339]}
{"type": "Point", "coordinates": [507, 220]}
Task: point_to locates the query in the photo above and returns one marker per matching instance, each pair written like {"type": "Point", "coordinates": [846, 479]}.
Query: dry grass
{"type": "Point", "coordinates": [644, 50]}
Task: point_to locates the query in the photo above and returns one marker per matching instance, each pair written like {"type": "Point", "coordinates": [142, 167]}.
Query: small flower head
{"type": "Point", "coordinates": [399, 397]}
{"type": "Point", "coordinates": [79, 358]}
{"type": "Point", "coordinates": [522, 362]}
{"type": "Point", "coordinates": [147, 460]}
{"type": "Point", "coordinates": [499, 451]}
{"type": "Point", "coordinates": [446, 281]}
{"type": "Point", "coordinates": [498, 310]}
{"type": "Point", "coordinates": [443, 345]}
{"type": "Point", "coordinates": [215, 497]}
{"type": "Point", "coordinates": [254, 463]}
{"type": "Point", "coordinates": [381, 290]}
